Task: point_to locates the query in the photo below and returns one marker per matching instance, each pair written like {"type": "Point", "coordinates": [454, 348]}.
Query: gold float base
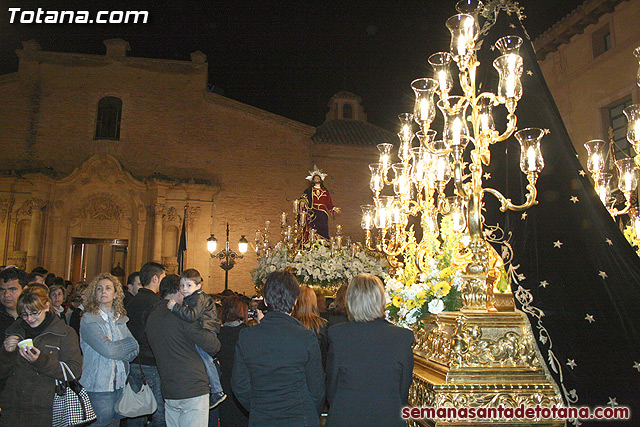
{"type": "Point", "coordinates": [475, 359]}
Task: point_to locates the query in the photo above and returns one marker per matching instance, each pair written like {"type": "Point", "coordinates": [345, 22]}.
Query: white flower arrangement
{"type": "Point", "coordinates": [318, 266]}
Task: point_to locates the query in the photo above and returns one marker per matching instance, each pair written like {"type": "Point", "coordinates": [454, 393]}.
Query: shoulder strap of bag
{"type": "Point", "coordinates": [144, 379]}
{"type": "Point", "coordinates": [66, 369]}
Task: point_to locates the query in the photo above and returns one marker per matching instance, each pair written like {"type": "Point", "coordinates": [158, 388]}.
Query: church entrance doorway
{"type": "Point", "coordinates": [89, 257]}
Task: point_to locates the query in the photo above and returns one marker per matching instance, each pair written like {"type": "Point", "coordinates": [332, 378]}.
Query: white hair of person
{"type": "Point", "coordinates": [365, 298]}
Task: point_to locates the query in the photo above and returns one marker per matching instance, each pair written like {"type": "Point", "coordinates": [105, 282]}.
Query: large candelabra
{"type": "Point", "coordinates": [600, 156]}
{"type": "Point", "coordinates": [420, 180]}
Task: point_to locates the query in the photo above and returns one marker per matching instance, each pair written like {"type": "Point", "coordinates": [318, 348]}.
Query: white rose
{"type": "Point", "coordinates": [436, 306]}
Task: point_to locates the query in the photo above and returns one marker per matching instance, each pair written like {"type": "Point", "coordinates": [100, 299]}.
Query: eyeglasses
{"type": "Point", "coordinates": [25, 316]}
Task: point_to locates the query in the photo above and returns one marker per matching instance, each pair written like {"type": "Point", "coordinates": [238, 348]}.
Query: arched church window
{"type": "Point", "coordinates": [347, 111]}
{"type": "Point", "coordinates": [109, 114]}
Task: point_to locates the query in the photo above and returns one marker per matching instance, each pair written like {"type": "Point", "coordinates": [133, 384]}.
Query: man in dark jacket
{"type": "Point", "coordinates": [185, 384]}
{"type": "Point", "coordinates": [138, 311]}
{"type": "Point", "coordinates": [12, 280]}
{"type": "Point", "coordinates": [277, 369]}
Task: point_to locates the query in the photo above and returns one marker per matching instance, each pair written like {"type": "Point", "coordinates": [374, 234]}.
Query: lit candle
{"type": "Point", "coordinates": [303, 218]}
{"type": "Point", "coordinates": [442, 78]}
{"type": "Point", "coordinates": [602, 192]}
{"type": "Point", "coordinates": [267, 223]}
{"type": "Point", "coordinates": [424, 109]}
{"type": "Point", "coordinates": [628, 181]}
{"type": "Point", "coordinates": [441, 167]}
{"type": "Point", "coordinates": [296, 204]}
{"type": "Point", "coordinates": [406, 132]}
{"type": "Point", "coordinates": [462, 45]}
{"type": "Point", "coordinates": [384, 160]}
{"type": "Point", "coordinates": [338, 229]}
{"type": "Point", "coordinates": [456, 127]}
{"type": "Point", "coordinates": [596, 162]}
{"type": "Point", "coordinates": [636, 130]}
{"type": "Point", "coordinates": [484, 122]}
{"type": "Point", "coordinates": [531, 160]}
{"type": "Point", "coordinates": [283, 219]}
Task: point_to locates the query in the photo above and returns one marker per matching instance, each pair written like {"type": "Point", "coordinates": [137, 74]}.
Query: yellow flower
{"type": "Point", "coordinates": [411, 304]}
{"type": "Point", "coordinates": [446, 272]}
{"type": "Point", "coordinates": [421, 295]}
{"type": "Point", "coordinates": [442, 288]}
{"type": "Point", "coordinates": [396, 301]}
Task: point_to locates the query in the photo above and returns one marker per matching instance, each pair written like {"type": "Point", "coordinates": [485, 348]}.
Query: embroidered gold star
{"type": "Point", "coordinates": [609, 242]}
{"type": "Point", "coordinates": [571, 363]}
{"type": "Point", "coordinates": [558, 244]}
{"type": "Point", "coordinates": [574, 199]}
{"type": "Point", "coordinates": [589, 318]}
{"type": "Point", "coordinates": [582, 173]}
{"type": "Point", "coordinates": [487, 175]}
{"type": "Point", "coordinates": [636, 365]}
{"type": "Point", "coordinates": [524, 216]}
{"type": "Point", "coordinates": [547, 131]}
{"type": "Point", "coordinates": [603, 274]}
{"type": "Point", "coordinates": [612, 402]}
{"type": "Point", "coordinates": [544, 284]}
{"type": "Point", "coordinates": [529, 73]}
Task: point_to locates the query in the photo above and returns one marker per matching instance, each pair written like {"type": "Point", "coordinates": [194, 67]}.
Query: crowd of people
{"type": "Point", "coordinates": [222, 360]}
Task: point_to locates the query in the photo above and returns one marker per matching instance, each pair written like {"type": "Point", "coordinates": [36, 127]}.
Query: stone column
{"type": "Point", "coordinates": [158, 210]}
{"type": "Point", "coordinates": [36, 206]}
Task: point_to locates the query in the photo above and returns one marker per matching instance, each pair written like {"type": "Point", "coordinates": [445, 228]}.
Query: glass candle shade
{"type": "Point", "coordinates": [627, 178]}
{"type": "Point", "coordinates": [368, 213]}
{"type": "Point", "coordinates": [455, 208]}
{"type": "Point", "coordinates": [406, 128]}
{"type": "Point", "coordinates": [633, 128]}
{"type": "Point", "coordinates": [421, 163]}
{"type": "Point", "coordinates": [440, 63]}
{"type": "Point", "coordinates": [454, 109]}
{"type": "Point", "coordinates": [603, 187]}
{"type": "Point", "coordinates": [485, 115]}
{"type": "Point", "coordinates": [385, 154]}
{"type": "Point", "coordinates": [441, 168]}
{"type": "Point", "coordinates": [530, 156]}
{"type": "Point", "coordinates": [510, 70]}
{"type": "Point", "coordinates": [464, 33]}
{"type": "Point", "coordinates": [426, 138]}
{"type": "Point", "coordinates": [424, 109]}
{"type": "Point", "coordinates": [376, 183]}
{"type": "Point", "coordinates": [509, 44]}
{"type": "Point", "coordinates": [404, 151]}
{"type": "Point", "coordinates": [402, 180]}
{"type": "Point", "coordinates": [596, 155]}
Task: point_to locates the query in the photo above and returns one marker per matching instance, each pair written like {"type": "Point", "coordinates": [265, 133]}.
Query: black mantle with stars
{"type": "Point", "coordinates": [576, 274]}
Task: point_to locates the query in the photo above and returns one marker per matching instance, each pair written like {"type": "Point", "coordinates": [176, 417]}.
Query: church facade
{"type": "Point", "coordinates": [106, 156]}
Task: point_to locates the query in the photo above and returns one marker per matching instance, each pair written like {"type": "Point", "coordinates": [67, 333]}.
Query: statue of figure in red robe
{"type": "Point", "coordinates": [316, 202]}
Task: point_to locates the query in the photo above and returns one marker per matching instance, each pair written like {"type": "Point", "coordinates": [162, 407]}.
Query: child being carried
{"type": "Point", "coordinates": [200, 307]}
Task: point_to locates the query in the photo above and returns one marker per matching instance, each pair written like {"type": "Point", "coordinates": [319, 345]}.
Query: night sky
{"type": "Point", "coordinates": [287, 57]}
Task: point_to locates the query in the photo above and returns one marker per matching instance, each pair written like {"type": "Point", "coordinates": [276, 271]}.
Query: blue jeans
{"type": "Point", "coordinates": [103, 403]}
{"type": "Point", "coordinates": [153, 379]}
{"type": "Point", "coordinates": [212, 370]}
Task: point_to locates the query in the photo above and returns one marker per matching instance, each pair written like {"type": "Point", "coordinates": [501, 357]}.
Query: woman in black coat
{"type": "Point", "coordinates": [234, 316]}
{"type": "Point", "coordinates": [277, 369]}
{"type": "Point", "coordinates": [370, 361]}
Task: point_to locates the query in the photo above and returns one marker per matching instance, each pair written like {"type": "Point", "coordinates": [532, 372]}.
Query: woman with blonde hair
{"type": "Point", "coordinates": [108, 346]}
{"type": "Point", "coordinates": [370, 361]}
{"type": "Point", "coordinates": [306, 311]}
{"type": "Point", "coordinates": [30, 372]}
